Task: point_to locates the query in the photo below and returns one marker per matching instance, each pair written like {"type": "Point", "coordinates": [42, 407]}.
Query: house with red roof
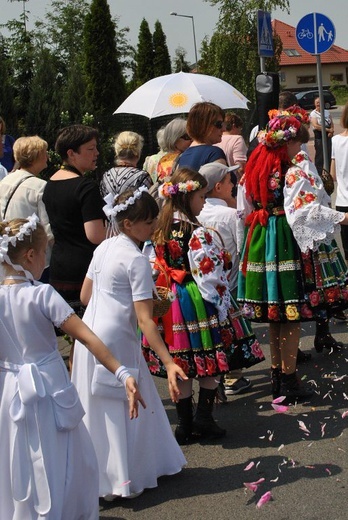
{"type": "Point", "coordinates": [298, 69]}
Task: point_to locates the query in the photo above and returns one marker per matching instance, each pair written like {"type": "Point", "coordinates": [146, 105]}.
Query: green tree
{"type": "Point", "coordinates": [43, 112]}
{"type": "Point", "coordinates": [62, 32]}
{"type": "Point", "coordinates": [73, 100]}
{"type": "Point", "coordinates": [7, 108]}
{"type": "Point", "coordinates": [24, 12]}
{"type": "Point", "coordinates": [105, 83]}
{"type": "Point", "coordinates": [161, 58]}
{"type": "Point", "coordinates": [20, 51]}
{"type": "Point", "coordinates": [125, 51]}
{"type": "Point", "coordinates": [144, 70]}
{"type": "Point", "coordinates": [232, 53]}
{"type": "Point", "coordinates": [179, 63]}
{"type": "Point", "coordinates": [62, 29]}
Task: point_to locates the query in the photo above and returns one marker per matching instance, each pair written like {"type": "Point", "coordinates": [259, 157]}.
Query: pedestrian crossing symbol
{"type": "Point", "coordinates": [264, 34]}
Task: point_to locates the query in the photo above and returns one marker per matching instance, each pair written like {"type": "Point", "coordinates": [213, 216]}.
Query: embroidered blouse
{"type": "Point", "coordinates": [198, 255]}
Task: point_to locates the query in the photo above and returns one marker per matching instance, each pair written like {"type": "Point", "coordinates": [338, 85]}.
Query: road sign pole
{"type": "Point", "coordinates": [315, 33]}
{"type": "Point", "coordinates": [262, 64]}
{"type": "Point", "coordinates": [322, 113]}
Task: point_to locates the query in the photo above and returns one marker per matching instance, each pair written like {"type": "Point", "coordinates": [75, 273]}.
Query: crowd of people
{"type": "Point", "coordinates": [232, 239]}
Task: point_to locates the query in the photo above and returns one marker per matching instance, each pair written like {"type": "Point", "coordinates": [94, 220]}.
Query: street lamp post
{"type": "Point", "coordinates": [24, 12]}
{"type": "Point", "coordinates": [193, 30]}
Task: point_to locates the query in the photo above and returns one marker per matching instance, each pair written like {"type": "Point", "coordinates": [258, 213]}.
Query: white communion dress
{"type": "Point", "coordinates": [131, 454]}
{"type": "Point", "coordinates": [48, 465]}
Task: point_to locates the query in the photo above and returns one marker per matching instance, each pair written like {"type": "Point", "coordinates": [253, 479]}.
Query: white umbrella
{"type": "Point", "coordinates": [176, 93]}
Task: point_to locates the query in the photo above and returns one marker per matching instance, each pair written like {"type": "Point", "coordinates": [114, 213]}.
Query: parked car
{"type": "Point", "coordinates": [306, 99]}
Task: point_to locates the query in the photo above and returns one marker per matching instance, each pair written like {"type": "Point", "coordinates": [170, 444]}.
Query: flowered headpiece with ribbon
{"type": "Point", "coordinates": [168, 189]}
{"type": "Point", "coordinates": [112, 210]}
{"type": "Point", "coordinates": [282, 126]}
{"type": "Point", "coordinates": [5, 240]}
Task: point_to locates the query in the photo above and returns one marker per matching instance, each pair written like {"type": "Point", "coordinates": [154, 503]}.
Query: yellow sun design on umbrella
{"type": "Point", "coordinates": [179, 99]}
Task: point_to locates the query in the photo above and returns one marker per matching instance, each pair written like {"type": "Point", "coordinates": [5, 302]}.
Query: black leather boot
{"type": "Point", "coordinates": [203, 422]}
{"type": "Point", "coordinates": [303, 357]}
{"type": "Point", "coordinates": [275, 381]}
{"type": "Point", "coordinates": [183, 431]}
{"type": "Point", "coordinates": [293, 390]}
{"type": "Point", "coordinates": [323, 338]}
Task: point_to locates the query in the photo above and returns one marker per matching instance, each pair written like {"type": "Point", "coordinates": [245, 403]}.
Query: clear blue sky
{"type": "Point", "coordinates": [179, 30]}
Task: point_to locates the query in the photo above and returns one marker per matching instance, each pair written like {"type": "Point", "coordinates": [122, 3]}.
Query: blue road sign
{"type": "Point", "coordinates": [264, 34]}
{"type": "Point", "coordinates": [315, 33]}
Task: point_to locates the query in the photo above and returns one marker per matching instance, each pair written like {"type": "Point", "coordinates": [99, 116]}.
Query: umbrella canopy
{"type": "Point", "coordinates": [176, 93]}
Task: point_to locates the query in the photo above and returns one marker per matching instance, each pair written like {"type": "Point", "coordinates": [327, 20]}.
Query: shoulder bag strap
{"type": "Point", "coordinates": [13, 192]}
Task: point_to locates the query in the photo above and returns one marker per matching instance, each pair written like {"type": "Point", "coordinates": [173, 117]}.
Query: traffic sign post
{"type": "Point", "coordinates": [264, 36]}
{"type": "Point", "coordinates": [316, 33]}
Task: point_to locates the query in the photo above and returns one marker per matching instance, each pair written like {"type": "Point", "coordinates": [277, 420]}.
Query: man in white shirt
{"type": "Point", "coordinates": [220, 216]}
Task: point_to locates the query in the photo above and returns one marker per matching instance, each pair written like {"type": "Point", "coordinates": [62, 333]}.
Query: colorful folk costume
{"type": "Point", "coordinates": [291, 269]}
{"type": "Point", "coordinates": [203, 330]}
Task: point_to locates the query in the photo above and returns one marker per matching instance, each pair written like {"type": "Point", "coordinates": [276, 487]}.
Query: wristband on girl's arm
{"type": "Point", "coordinates": [122, 374]}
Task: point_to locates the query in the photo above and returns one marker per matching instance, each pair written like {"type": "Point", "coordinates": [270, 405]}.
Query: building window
{"type": "Point", "coordinates": [291, 52]}
{"type": "Point", "coordinates": [282, 77]}
{"type": "Point", "coordinates": [306, 79]}
{"type": "Point", "coordinates": [336, 77]}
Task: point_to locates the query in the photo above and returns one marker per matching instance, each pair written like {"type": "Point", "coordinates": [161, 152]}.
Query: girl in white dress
{"type": "Point", "coordinates": [48, 465]}
{"type": "Point", "coordinates": [119, 291]}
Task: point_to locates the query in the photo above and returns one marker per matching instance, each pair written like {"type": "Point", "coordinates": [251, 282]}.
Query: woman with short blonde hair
{"type": "Point", "coordinates": [21, 191]}
{"type": "Point", "coordinates": [26, 150]}
{"type": "Point", "coordinates": [125, 174]}
{"type": "Point", "coordinates": [128, 145]}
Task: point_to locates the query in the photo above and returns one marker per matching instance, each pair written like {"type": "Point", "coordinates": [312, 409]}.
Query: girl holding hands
{"type": "Point", "coordinates": [119, 292]}
{"type": "Point", "coordinates": [52, 475]}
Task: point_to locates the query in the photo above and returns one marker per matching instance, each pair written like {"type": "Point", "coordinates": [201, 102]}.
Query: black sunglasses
{"type": "Point", "coordinates": [186, 137]}
{"type": "Point", "coordinates": [218, 124]}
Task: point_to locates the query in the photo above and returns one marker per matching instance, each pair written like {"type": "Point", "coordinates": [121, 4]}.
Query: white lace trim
{"type": "Point", "coordinates": [316, 227]}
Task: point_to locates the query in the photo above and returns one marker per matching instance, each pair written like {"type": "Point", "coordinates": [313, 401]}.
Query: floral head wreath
{"type": "Point", "coordinates": [111, 210]}
{"type": "Point", "coordinates": [5, 240]}
{"type": "Point", "coordinates": [294, 111]}
{"type": "Point", "coordinates": [168, 189]}
{"type": "Point", "coordinates": [282, 126]}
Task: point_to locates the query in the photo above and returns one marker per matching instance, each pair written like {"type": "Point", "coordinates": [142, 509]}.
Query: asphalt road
{"type": "Point", "coordinates": [306, 472]}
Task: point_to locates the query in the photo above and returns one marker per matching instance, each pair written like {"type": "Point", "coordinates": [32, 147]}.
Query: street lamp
{"type": "Point", "coordinates": [193, 30]}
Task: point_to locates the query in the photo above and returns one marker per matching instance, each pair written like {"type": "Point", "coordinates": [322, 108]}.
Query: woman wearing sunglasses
{"type": "Point", "coordinates": [175, 142]}
{"type": "Point", "coordinates": [205, 125]}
